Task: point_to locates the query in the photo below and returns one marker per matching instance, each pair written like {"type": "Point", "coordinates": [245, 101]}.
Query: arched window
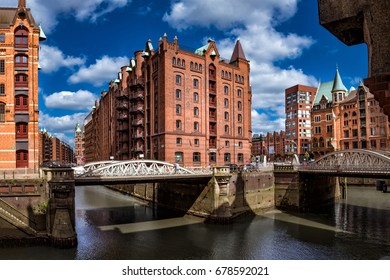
{"type": "Point", "coordinates": [183, 63]}
{"type": "Point", "coordinates": [21, 61]}
{"type": "Point", "coordinates": [239, 118]}
{"type": "Point", "coordinates": [21, 130]}
{"type": "Point", "coordinates": [196, 97]}
{"type": "Point", "coordinates": [226, 116]}
{"type": "Point", "coordinates": [179, 61]}
{"type": "Point", "coordinates": [196, 111]}
{"type": "Point", "coordinates": [196, 83]}
{"type": "Point", "coordinates": [212, 74]}
{"type": "Point", "coordinates": [191, 65]}
{"type": "Point", "coordinates": [196, 126]}
{"type": "Point", "coordinates": [200, 67]}
{"type": "Point", "coordinates": [226, 102]}
{"type": "Point", "coordinates": [226, 90]}
{"type": "Point", "coordinates": [174, 60]}
{"type": "Point", "coordinates": [21, 103]}
{"type": "Point", "coordinates": [345, 115]}
{"type": "Point", "coordinates": [239, 130]}
{"type": "Point", "coordinates": [239, 92]}
{"type": "Point", "coordinates": [2, 112]}
{"type": "Point", "coordinates": [196, 66]}
{"type": "Point", "coordinates": [21, 37]}
{"type": "Point", "coordinates": [178, 109]}
{"type": "Point", "coordinates": [21, 80]}
{"type": "Point", "coordinates": [239, 105]}
{"type": "Point", "coordinates": [226, 129]}
{"type": "Point", "coordinates": [178, 94]}
{"type": "Point", "coordinates": [178, 79]}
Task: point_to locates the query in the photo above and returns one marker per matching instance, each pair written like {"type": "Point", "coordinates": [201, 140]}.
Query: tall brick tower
{"type": "Point", "coordinates": [19, 53]}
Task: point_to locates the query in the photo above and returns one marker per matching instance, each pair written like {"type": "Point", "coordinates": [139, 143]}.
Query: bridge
{"type": "Point", "coordinates": [351, 163]}
{"type": "Point", "coordinates": [138, 171]}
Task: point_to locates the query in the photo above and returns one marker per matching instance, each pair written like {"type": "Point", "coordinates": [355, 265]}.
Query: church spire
{"type": "Point", "coordinates": [22, 4]}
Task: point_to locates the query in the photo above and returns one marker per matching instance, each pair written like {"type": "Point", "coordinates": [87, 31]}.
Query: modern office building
{"type": "Point", "coordinates": [173, 104]}
{"type": "Point", "coordinates": [20, 37]}
{"type": "Point", "coordinates": [298, 101]}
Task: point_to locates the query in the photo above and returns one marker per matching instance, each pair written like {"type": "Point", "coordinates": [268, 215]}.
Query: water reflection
{"type": "Point", "coordinates": [114, 226]}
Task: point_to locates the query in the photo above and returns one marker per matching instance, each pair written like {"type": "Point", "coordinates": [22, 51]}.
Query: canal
{"type": "Point", "coordinates": [113, 226]}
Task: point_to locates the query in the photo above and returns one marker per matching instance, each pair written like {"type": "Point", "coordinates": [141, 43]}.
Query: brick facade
{"type": "Point", "coordinates": [175, 105]}
{"type": "Point", "coordinates": [19, 51]}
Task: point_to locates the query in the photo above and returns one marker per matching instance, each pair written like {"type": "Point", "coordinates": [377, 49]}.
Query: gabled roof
{"type": "Point", "coordinates": [324, 89]}
{"type": "Point", "coordinates": [8, 16]}
{"type": "Point", "coordinates": [202, 49]}
{"type": "Point", "coordinates": [238, 52]}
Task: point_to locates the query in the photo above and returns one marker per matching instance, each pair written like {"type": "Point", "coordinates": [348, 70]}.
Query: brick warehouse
{"type": "Point", "coordinates": [19, 52]}
{"type": "Point", "coordinates": [177, 105]}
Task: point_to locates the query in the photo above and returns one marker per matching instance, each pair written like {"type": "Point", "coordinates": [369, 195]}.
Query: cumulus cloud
{"type": "Point", "coordinates": [263, 123]}
{"type": "Point", "coordinates": [47, 12]}
{"type": "Point", "coordinates": [63, 124]}
{"type": "Point", "coordinates": [104, 70]}
{"type": "Point", "coordinates": [254, 23]}
{"type": "Point", "coordinates": [80, 100]}
{"type": "Point", "coordinates": [51, 59]}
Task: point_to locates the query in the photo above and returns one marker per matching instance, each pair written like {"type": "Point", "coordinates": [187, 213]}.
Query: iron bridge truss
{"type": "Point", "coordinates": [134, 168]}
{"type": "Point", "coordinates": [352, 161]}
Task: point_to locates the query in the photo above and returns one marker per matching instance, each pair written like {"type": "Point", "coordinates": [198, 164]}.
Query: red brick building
{"type": "Point", "coordinates": [347, 119]}
{"type": "Point", "coordinates": [176, 105]}
{"type": "Point", "coordinates": [272, 145]}
{"type": "Point", "coordinates": [52, 148]}
{"type": "Point", "coordinates": [20, 37]}
{"type": "Point", "coordinates": [79, 146]}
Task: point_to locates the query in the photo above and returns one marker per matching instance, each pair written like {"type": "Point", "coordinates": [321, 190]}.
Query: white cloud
{"type": "Point", "coordinates": [225, 14]}
{"type": "Point", "coordinates": [80, 100]}
{"type": "Point", "coordinates": [51, 59]}
{"type": "Point", "coordinates": [63, 124]}
{"type": "Point", "coordinates": [48, 11]}
{"type": "Point", "coordinates": [262, 123]}
{"type": "Point", "coordinates": [104, 70]}
{"type": "Point", "coordinates": [254, 23]}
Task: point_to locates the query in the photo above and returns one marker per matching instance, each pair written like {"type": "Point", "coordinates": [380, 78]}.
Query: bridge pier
{"type": "Point", "coordinates": [299, 191]}
{"type": "Point", "coordinates": [60, 217]}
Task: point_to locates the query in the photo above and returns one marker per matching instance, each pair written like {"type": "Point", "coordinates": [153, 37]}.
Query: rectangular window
{"type": "Point", "coordinates": [2, 66]}
{"type": "Point", "coordinates": [317, 118]}
{"type": "Point", "coordinates": [2, 89]}
{"type": "Point", "coordinates": [317, 129]}
{"type": "Point", "coordinates": [328, 128]}
{"type": "Point", "coordinates": [2, 38]}
{"type": "Point", "coordinates": [196, 142]}
{"type": "Point", "coordinates": [2, 112]}
{"type": "Point", "coordinates": [346, 133]}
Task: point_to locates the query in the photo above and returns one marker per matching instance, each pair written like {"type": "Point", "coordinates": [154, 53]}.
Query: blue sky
{"type": "Point", "coordinates": [89, 40]}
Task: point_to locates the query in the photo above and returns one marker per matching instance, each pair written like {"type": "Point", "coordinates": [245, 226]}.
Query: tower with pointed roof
{"type": "Point", "coordinates": [20, 37]}
{"type": "Point", "coordinates": [79, 144]}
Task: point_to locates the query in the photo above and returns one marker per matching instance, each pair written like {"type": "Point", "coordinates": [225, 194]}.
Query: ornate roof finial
{"type": "Point", "coordinates": [22, 4]}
